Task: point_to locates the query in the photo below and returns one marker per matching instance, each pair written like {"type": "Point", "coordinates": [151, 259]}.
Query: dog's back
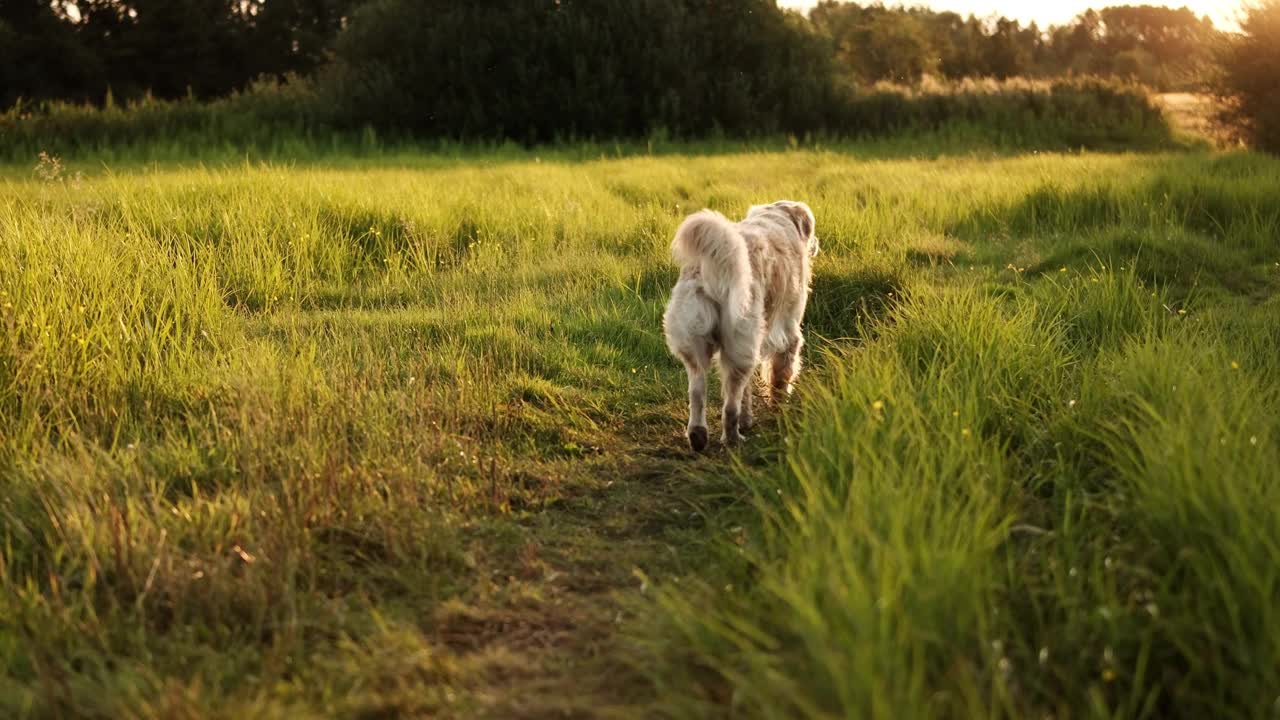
{"type": "Point", "coordinates": [713, 296]}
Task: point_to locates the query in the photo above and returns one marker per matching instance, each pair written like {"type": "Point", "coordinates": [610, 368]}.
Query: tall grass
{"type": "Point", "coordinates": [291, 120]}
{"type": "Point", "coordinates": [297, 440]}
{"type": "Point", "coordinates": [1041, 493]}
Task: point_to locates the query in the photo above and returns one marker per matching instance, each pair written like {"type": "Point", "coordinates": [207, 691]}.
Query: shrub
{"type": "Point", "coordinates": [1074, 113]}
{"type": "Point", "coordinates": [1250, 81]}
{"type": "Point", "coordinates": [269, 114]}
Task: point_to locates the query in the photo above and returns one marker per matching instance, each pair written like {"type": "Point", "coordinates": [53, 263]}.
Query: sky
{"type": "Point", "coordinates": [1056, 12]}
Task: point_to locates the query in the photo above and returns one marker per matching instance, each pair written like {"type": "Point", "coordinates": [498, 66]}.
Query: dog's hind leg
{"type": "Point", "coordinates": [784, 366]}
{"type": "Point", "coordinates": [696, 366]}
{"type": "Point", "coordinates": [689, 326]}
{"type": "Point", "coordinates": [735, 381]}
{"type": "Point", "coordinates": [745, 417]}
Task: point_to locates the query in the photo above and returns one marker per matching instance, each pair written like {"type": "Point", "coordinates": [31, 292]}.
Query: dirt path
{"type": "Point", "coordinates": [544, 636]}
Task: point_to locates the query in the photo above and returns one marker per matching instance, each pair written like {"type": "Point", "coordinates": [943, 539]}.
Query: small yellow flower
{"type": "Point", "coordinates": [1235, 365]}
{"type": "Point", "coordinates": [1108, 675]}
{"type": "Point", "coordinates": [955, 413]}
{"type": "Point", "coordinates": [965, 432]}
{"type": "Point", "coordinates": [877, 405]}
{"type": "Point", "coordinates": [1182, 312]}
{"type": "Point", "coordinates": [1062, 269]}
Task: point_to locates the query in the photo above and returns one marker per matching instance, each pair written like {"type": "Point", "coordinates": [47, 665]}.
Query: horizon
{"type": "Point", "coordinates": [1225, 14]}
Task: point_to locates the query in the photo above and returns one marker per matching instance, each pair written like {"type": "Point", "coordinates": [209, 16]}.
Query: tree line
{"type": "Point", "coordinates": [1162, 47]}
{"type": "Point", "coordinates": [535, 70]}
{"type": "Point", "coordinates": [81, 50]}
{"type": "Point", "coordinates": [84, 50]}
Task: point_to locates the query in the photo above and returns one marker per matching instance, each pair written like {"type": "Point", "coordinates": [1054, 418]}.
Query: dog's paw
{"type": "Point", "coordinates": [698, 439]}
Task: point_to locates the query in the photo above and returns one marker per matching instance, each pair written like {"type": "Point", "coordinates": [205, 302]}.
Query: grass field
{"type": "Point", "coordinates": [396, 437]}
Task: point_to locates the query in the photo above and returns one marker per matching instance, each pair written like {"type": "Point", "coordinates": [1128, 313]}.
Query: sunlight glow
{"type": "Point", "coordinates": [1057, 12]}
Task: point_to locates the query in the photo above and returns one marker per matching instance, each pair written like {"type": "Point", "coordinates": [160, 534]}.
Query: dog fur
{"type": "Point", "coordinates": [741, 294]}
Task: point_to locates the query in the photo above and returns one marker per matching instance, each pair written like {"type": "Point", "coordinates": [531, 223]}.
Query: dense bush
{"type": "Point", "coordinates": [267, 115]}
{"type": "Point", "coordinates": [554, 68]}
{"type": "Point", "coordinates": [1086, 112]}
{"type": "Point", "coordinates": [1250, 82]}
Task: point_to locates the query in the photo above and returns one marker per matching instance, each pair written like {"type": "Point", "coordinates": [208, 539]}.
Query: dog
{"type": "Point", "coordinates": [741, 294]}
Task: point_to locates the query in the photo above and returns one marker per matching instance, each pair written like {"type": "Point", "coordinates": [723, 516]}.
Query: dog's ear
{"type": "Point", "coordinates": [802, 218]}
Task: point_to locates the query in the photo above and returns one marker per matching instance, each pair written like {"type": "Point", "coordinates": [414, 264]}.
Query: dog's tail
{"type": "Point", "coordinates": [708, 240]}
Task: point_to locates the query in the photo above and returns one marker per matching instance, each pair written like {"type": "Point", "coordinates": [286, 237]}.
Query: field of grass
{"type": "Point", "coordinates": [396, 437]}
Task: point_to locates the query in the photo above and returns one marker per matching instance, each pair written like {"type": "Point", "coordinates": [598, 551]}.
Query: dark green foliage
{"type": "Point", "coordinates": [1250, 82]}
{"type": "Point", "coordinates": [545, 69]}
{"type": "Point", "coordinates": [90, 50]}
{"type": "Point", "coordinates": [41, 56]}
{"type": "Point", "coordinates": [477, 72]}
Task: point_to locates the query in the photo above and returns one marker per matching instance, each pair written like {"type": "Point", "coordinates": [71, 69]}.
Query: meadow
{"type": "Point", "coordinates": [396, 435]}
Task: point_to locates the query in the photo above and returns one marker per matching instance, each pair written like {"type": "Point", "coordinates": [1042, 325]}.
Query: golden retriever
{"type": "Point", "coordinates": [741, 294]}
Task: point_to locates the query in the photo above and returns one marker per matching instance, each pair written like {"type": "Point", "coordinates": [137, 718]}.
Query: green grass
{"type": "Point", "coordinates": [396, 436]}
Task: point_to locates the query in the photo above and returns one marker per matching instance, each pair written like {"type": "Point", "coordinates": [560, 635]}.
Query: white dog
{"type": "Point", "coordinates": [742, 292]}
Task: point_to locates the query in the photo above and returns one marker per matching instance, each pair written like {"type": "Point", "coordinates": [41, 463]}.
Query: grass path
{"type": "Point", "coordinates": [554, 635]}
{"type": "Point", "coordinates": [557, 652]}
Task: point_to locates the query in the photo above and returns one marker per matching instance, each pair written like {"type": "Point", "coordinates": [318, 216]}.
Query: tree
{"type": "Point", "coordinates": [1007, 51]}
{"type": "Point", "coordinates": [41, 55]}
{"type": "Point", "coordinates": [1249, 84]}
{"type": "Point", "coordinates": [80, 49]}
{"type": "Point", "coordinates": [540, 69]}
{"type": "Point", "coordinates": [1162, 46]}
{"type": "Point", "coordinates": [876, 43]}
